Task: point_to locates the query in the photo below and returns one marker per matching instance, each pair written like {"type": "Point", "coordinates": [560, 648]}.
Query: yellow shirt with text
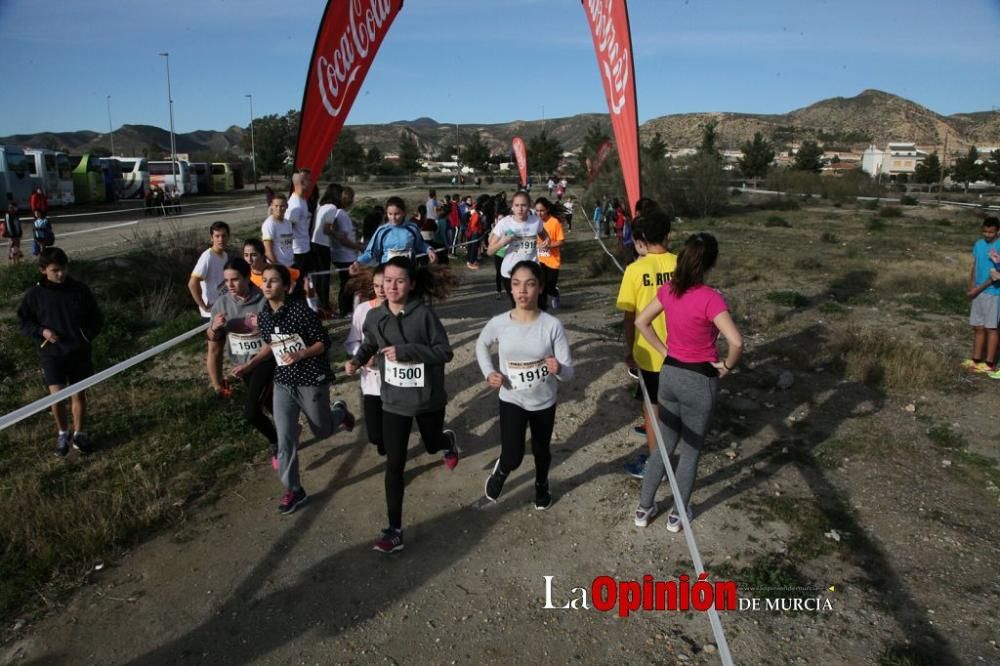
{"type": "Point", "coordinates": [642, 280]}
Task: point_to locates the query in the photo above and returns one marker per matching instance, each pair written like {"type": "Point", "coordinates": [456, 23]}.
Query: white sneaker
{"type": "Point", "coordinates": [643, 516]}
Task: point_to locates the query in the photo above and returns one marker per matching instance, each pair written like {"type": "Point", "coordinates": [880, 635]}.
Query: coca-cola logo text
{"type": "Point", "coordinates": [613, 56]}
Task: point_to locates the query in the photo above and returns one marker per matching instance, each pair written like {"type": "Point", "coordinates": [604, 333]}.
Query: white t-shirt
{"type": "Point", "coordinates": [213, 280]}
{"type": "Point", "coordinates": [325, 213]}
{"type": "Point", "coordinates": [298, 215]}
{"type": "Point", "coordinates": [344, 225]}
{"type": "Point", "coordinates": [281, 236]}
{"type": "Point", "coordinates": [524, 247]}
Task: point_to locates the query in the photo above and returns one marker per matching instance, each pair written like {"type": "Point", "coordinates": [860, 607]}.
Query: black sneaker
{"type": "Point", "coordinates": [543, 499]}
{"type": "Point", "coordinates": [63, 443]}
{"type": "Point", "coordinates": [494, 483]}
{"type": "Point", "coordinates": [451, 455]}
{"type": "Point", "coordinates": [82, 443]}
{"type": "Point", "coordinates": [390, 541]}
{"type": "Point", "coordinates": [291, 501]}
{"type": "Point", "coordinates": [347, 424]}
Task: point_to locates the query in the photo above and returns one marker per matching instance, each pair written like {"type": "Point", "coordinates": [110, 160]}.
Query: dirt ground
{"type": "Point", "coordinates": [827, 476]}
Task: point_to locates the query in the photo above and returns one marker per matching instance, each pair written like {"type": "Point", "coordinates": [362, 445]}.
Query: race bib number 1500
{"type": "Point", "coordinates": [404, 375]}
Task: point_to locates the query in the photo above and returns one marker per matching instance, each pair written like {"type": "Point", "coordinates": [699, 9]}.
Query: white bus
{"type": "Point", "coordinates": [15, 179]}
{"type": "Point", "coordinates": [161, 173]}
{"type": "Point", "coordinates": [51, 170]}
{"type": "Point", "coordinates": [135, 177]}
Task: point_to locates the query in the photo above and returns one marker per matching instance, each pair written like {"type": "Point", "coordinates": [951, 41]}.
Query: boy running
{"type": "Point", "coordinates": [984, 292]}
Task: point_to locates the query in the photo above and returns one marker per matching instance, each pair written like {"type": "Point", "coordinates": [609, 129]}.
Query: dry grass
{"type": "Point", "coordinates": [881, 358]}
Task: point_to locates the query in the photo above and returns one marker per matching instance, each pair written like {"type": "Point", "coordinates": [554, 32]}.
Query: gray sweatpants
{"type": "Point", "coordinates": [687, 400]}
{"type": "Point", "coordinates": [288, 401]}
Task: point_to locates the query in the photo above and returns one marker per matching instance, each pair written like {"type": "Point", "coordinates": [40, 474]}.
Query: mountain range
{"type": "Point", "coordinates": [840, 123]}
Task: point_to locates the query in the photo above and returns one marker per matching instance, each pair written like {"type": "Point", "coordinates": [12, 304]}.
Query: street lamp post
{"type": "Point", "coordinates": [253, 148]}
{"type": "Point", "coordinates": [173, 144]}
{"type": "Point", "coordinates": [111, 128]}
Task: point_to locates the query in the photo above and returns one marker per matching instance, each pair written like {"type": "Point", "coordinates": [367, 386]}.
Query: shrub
{"type": "Point", "coordinates": [890, 211]}
{"type": "Point", "coordinates": [881, 358]}
{"type": "Point", "coordinates": [907, 200]}
{"type": "Point", "coordinates": [828, 237]}
{"type": "Point", "coordinates": [875, 224]}
{"type": "Point", "coordinates": [790, 298]}
{"type": "Point", "coordinates": [776, 221]}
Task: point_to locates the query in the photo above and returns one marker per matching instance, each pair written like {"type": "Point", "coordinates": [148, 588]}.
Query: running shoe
{"type": "Point", "coordinates": [494, 483]}
{"type": "Point", "coordinates": [291, 501]}
{"type": "Point", "coordinates": [451, 455]}
{"type": "Point", "coordinates": [63, 443]}
{"type": "Point", "coordinates": [643, 516]}
{"type": "Point", "coordinates": [982, 368]}
{"type": "Point", "coordinates": [994, 375]}
{"type": "Point", "coordinates": [390, 541]}
{"type": "Point", "coordinates": [543, 499]}
{"type": "Point", "coordinates": [347, 424]}
{"type": "Point", "coordinates": [82, 443]}
{"type": "Point", "coordinates": [969, 364]}
{"type": "Point", "coordinates": [633, 373]}
{"type": "Point", "coordinates": [674, 521]}
{"type": "Point", "coordinates": [555, 303]}
{"type": "Point", "coordinates": [471, 266]}
{"type": "Point", "coordinates": [639, 432]}
{"type": "Point", "coordinates": [637, 468]}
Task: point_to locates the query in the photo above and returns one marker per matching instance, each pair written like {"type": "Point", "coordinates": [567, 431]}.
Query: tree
{"type": "Point", "coordinates": [446, 154]}
{"type": "Point", "coordinates": [348, 156]}
{"type": "Point", "coordinates": [476, 154]}
{"type": "Point", "coordinates": [544, 154]}
{"type": "Point", "coordinates": [757, 157]}
{"type": "Point", "coordinates": [809, 157]}
{"type": "Point", "coordinates": [272, 141]}
{"type": "Point", "coordinates": [928, 172]}
{"type": "Point", "coordinates": [709, 140]}
{"type": "Point", "coordinates": [409, 153]}
{"type": "Point", "coordinates": [966, 170]}
{"type": "Point", "coordinates": [706, 193]}
{"type": "Point", "coordinates": [992, 168]}
{"type": "Point", "coordinates": [655, 151]}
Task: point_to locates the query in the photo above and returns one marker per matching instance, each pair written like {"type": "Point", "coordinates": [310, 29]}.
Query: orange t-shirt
{"type": "Point", "coordinates": [552, 257]}
{"type": "Point", "coordinates": [258, 278]}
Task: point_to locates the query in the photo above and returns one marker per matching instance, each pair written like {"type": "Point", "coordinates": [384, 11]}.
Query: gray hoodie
{"type": "Point", "coordinates": [419, 338]}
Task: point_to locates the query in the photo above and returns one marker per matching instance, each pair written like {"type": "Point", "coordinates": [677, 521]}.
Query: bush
{"type": "Point", "coordinates": [881, 358]}
{"type": "Point", "coordinates": [790, 298]}
{"type": "Point", "coordinates": [828, 237]}
{"type": "Point", "coordinates": [875, 224]}
{"type": "Point", "coordinates": [907, 200]}
{"type": "Point", "coordinates": [890, 211]}
{"type": "Point", "coordinates": [776, 221]}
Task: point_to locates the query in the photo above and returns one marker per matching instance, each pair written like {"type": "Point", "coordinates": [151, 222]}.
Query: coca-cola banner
{"type": "Point", "coordinates": [594, 165]}
{"type": "Point", "coordinates": [609, 27]}
{"type": "Point", "coordinates": [349, 36]}
{"type": "Point", "coordinates": [521, 155]}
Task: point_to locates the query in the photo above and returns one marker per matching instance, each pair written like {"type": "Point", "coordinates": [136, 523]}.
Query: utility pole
{"type": "Point", "coordinates": [111, 129]}
{"type": "Point", "coordinates": [944, 161]}
{"type": "Point", "coordinates": [253, 149]}
{"type": "Point", "coordinates": [173, 143]}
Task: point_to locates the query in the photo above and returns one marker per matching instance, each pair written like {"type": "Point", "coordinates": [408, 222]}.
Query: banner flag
{"type": "Point", "coordinates": [594, 166]}
{"type": "Point", "coordinates": [609, 27]}
{"type": "Point", "coordinates": [349, 36]}
{"type": "Point", "coordinates": [521, 155]}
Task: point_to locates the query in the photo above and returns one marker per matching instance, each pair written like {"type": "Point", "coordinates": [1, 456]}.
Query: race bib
{"type": "Point", "coordinates": [524, 375]}
{"type": "Point", "coordinates": [285, 344]}
{"type": "Point", "coordinates": [524, 245]}
{"type": "Point", "coordinates": [399, 252]}
{"type": "Point", "coordinates": [404, 375]}
{"type": "Point", "coordinates": [245, 344]}
{"type": "Point", "coordinates": [285, 241]}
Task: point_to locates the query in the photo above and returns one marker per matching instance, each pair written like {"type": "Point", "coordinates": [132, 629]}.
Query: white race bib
{"type": "Point", "coordinates": [285, 344]}
{"type": "Point", "coordinates": [524, 244]}
{"type": "Point", "coordinates": [244, 344]}
{"type": "Point", "coordinates": [399, 252]}
{"type": "Point", "coordinates": [526, 374]}
{"type": "Point", "coordinates": [404, 375]}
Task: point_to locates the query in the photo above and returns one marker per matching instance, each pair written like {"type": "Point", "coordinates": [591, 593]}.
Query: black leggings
{"type": "Point", "coordinates": [258, 383]}
{"type": "Point", "coordinates": [497, 261]}
{"type": "Point", "coordinates": [514, 421]}
{"type": "Point", "coordinates": [345, 299]}
{"type": "Point", "coordinates": [549, 289]}
{"type": "Point", "coordinates": [373, 421]}
{"type": "Point", "coordinates": [321, 262]}
{"type": "Point", "coordinates": [396, 437]}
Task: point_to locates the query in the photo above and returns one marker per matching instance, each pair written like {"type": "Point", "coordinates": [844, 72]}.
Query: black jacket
{"type": "Point", "coordinates": [68, 309]}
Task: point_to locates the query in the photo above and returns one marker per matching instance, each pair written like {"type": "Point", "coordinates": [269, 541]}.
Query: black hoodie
{"type": "Point", "coordinates": [68, 309]}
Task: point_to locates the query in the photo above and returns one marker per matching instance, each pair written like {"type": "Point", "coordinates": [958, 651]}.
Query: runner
{"type": "Point", "coordinates": [62, 318]}
{"type": "Point", "coordinates": [413, 349]}
{"type": "Point", "coordinates": [550, 257]}
{"type": "Point", "coordinates": [398, 238]}
{"type": "Point", "coordinates": [689, 381]}
{"type": "Point", "coordinates": [294, 335]}
{"type": "Point", "coordinates": [345, 247]}
{"type": "Point", "coordinates": [521, 233]}
{"type": "Point", "coordinates": [234, 320]}
{"type": "Point", "coordinates": [320, 244]}
{"type": "Point", "coordinates": [277, 233]}
{"type": "Point", "coordinates": [298, 215]}
{"type": "Point", "coordinates": [205, 287]}
{"type": "Point", "coordinates": [253, 254]}
{"type": "Point", "coordinates": [371, 382]}
{"type": "Point", "coordinates": [13, 231]}
{"type": "Point", "coordinates": [535, 357]}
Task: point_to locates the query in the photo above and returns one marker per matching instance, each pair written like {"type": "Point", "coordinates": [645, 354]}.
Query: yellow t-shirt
{"type": "Point", "coordinates": [553, 256]}
{"type": "Point", "coordinates": [642, 280]}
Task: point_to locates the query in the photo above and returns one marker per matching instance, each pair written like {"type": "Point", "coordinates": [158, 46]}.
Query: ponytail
{"type": "Point", "coordinates": [695, 259]}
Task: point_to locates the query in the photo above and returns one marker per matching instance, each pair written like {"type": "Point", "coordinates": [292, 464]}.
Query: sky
{"type": "Point", "coordinates": [485, 61]}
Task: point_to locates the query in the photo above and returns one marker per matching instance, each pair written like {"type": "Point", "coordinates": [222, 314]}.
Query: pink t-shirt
{"type": "Point", "coordinates": [690, 332]}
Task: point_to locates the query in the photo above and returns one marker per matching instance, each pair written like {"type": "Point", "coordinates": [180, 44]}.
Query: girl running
{"type": "Point", "coordinates": [521, 234]}
{"type": "Point", "coordinates": [294, 335]}
{"type": "Point", "coordinates": [371, 381]}
{"type": "Point", "coordinates": [550, 257]}
{"type": "Point", "coordinates": [412, 348]}
{"type": "Point", "coordinates": [534, 358]}
{"type": "Point", "coordinates": [234, 319]}
{"type": "Point", "coordinates": [689, 380]}
{"type": "Point", "coordinates": [398, 238]}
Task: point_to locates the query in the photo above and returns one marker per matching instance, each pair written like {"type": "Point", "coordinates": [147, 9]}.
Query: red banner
{"type": "Point", "coordinates": [594, 166]}
{"type": "Point", "coordinates": [609, 27]}
{"type": "Point", "coordinates": [521, 155]}
{"type": "Point", "coordinates": [349, 36]}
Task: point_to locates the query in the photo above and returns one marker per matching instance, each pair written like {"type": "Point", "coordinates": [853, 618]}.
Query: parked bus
{"type": "Point", "coordinates": [222, 177]}
{"type": "Point", "coordinates": [203, 174]}
{"type": "Point", "coordinates": [135, 177]}
{"type": "Point", "coordinates": [15, 181]}
{"type": "Point", "coordinates": [237, 168]}
{"type": "Point", "coordinates": [88, 179]}
{"type": "Point", "coordinates": [51, 171]}
{"type": "Point", "coordinates": [111, 169]}
{"type": "Point", "coordinates": [161, 173]}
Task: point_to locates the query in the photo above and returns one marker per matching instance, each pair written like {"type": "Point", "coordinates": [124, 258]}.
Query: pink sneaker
{"type": "Point", "coordinates": [451, 455]}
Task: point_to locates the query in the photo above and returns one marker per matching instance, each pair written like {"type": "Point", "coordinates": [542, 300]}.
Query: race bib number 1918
{"type": "Point", "coordinates": [526, 374]}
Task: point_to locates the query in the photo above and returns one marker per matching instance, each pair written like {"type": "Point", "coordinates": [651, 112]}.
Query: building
{"type": "Point", "coordinates": [899, 160]}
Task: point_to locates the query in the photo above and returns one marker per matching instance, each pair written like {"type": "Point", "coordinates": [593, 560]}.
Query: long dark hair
{"type": "Point", "coordinates": [695, 259]}
{"type": "Point", "coordinates": [435, 281]}
{"type": "Point", "coordinates": [333, 194]}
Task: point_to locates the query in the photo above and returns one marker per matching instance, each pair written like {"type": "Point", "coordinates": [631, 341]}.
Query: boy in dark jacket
{"type": "Point", "coordinates": [62, 317]}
